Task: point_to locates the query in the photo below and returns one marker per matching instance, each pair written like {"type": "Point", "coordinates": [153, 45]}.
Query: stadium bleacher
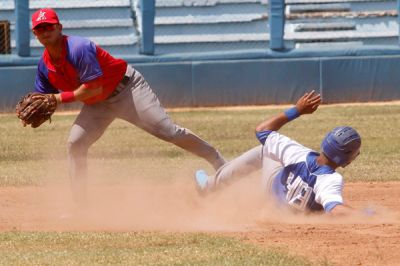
{"type": "Point", "coordinates": [108, 23]}
{"type": "Point", "coordinates": [200, 26]}
{"type": "Point", "coordinates": [313, 23]}
{"type": "Point", "coordinates": [221, 25]}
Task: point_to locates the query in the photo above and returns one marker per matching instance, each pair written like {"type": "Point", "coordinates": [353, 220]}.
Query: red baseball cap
{"type": "Point", "coordinates": [44, 15]}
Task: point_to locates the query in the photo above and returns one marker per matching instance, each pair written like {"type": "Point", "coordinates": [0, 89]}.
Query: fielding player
{"type": "Point", "coordinates": [75, 69]}
{"type": "Point", "coordinates": [295, 176]}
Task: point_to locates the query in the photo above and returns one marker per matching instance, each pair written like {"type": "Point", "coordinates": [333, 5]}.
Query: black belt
{"type": "Point", "coordinates": [121, 86]}
{"type": "Point", "coordinates": [125, 80]}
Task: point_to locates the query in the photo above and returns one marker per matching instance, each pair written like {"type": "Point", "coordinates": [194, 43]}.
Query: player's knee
{"type": "Point", "coordinates": [170, 133]}
{"type": "Point", "coordinates": [72, 147]}
{"type": "Point", "coordinates": [76, 148]}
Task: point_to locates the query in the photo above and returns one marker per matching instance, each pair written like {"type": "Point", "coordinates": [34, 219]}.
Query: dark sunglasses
{"type": "Point", "coordinates": [43, 28]}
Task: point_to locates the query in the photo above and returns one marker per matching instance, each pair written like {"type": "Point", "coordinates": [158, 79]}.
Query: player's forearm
{"type": "Point", "coordinates": [307, 104]}
{"type": "Point", "coordinates": [80, 94]}
{"type": "Point", "coordinates": [274, 123]}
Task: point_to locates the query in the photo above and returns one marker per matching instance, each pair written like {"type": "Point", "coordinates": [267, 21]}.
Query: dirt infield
{"type": "Point", "coordinates": [238, 212]}
{"type": "Point", "coordinates": [353, 241]}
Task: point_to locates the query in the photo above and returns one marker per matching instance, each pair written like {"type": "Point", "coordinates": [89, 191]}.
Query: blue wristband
{"type": "Point", "coordinates": [292, 113]}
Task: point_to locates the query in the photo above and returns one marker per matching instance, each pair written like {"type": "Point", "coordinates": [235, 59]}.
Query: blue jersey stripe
{"type": "Point", "coordinates": [263, 135]}
{"type": "Point", "coordinates": [42, 83]}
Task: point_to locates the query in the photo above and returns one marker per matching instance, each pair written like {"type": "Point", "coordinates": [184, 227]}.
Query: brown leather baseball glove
{"type": "Point", "coordinates": [36, 108]}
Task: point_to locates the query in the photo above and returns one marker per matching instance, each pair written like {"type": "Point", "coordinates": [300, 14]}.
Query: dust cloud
{"type": "Point", "coordinates": [142, 204]}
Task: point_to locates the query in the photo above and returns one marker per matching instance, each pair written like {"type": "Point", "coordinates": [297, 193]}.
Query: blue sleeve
{"type": "Point", "coordinates": [263, 135]}
{"type": "Point", "coordinates": [329, 207]}
{"type": "Point", "coordinates": [42, 83]}
{"type": "Point", "coordinates": [83, 56]}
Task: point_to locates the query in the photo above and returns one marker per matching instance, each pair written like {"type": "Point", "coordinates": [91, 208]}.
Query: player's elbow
{"type": "Point", "coordinates": [262, 127]}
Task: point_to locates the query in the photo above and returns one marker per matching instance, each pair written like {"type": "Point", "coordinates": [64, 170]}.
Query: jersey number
{"type": "Point", "coordinates": [298, 193]}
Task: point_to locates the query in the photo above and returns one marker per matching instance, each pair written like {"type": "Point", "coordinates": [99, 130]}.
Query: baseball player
{"type": "Point", "coordinates": [75, 69]}
{"type": "Point", "coordinates": [294, 176]}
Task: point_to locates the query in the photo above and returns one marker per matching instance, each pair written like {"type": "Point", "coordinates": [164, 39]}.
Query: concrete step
{"type": "Point", "coordinates": [362, 25]}
{"type": "Point", "coordinates": [238, 8]}
{"type": "Point", "coordinates": [166, 48]}
{"type": "Point", "coordinates": [367, 6]}
{"type": "Point", "coordinates": [213, 38]}
{"type": "Point", "coordinates": [260, 26]}
{"type": "Point", "coordinates": [373, 6]}
{"type": "Point", "coordinates": [351, 44]}
{"type": "Point", "coordinates": [178, 3]}
{"type": "Point", "coordinates": [79, 14]}
{"type": "Point", "coordinates": [344, 44]}
{"type": "Point", "coordinates": [114, 50]}
{"type": "Point", "coordinates": [333, 26]}
{"type": "Point", "coordinates": [98, 23]}
{"type": "Point", "coordinates": [342, 15]}
{"type": "Point", "coordinates": [210, 19]}
{"type": "Point", "coordinates": [312, 8]}
{"type": "Point", "coordinates": [115, 34]}
{"type": "Point", "coordinates": [94, 24]}
{"type": "Point", "coordinates": [210, 42]}
{"type": "Point", "coordinates": [388, 24]}
{"type": "Point", "coordinates": [339, 35]}
{"type": "Point", "coordinates": [66, 4]}
{"type": "Point", "coordinates": [99, 40]}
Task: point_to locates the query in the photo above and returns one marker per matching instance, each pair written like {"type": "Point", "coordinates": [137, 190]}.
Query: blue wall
{"type": "Point", "coordinates": [248, 81]}
{"type": "Point", "coordinates": [361, 79]}
{"type": "Point", "coordinates": [14, 82]}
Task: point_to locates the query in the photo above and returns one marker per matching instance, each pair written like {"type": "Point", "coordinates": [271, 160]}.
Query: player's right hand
{"type": "Point", "coordinates": [308, 103]}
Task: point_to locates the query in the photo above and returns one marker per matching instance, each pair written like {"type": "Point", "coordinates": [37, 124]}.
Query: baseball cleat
{"type": "Point", "coordinates": [201, 179]}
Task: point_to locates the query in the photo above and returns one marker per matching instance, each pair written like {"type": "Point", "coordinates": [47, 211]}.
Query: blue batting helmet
{"type": "Point", "coordinates": [341, 145]}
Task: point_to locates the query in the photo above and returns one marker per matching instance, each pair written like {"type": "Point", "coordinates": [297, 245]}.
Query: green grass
{"type": "Point", "coordinates": [99, 248]}
{"type": "Point", "coordinates": [33, 156]}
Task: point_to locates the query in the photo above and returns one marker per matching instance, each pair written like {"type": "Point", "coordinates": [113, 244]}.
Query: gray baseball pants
{"type": "Point", "coordinates": [245, 164]}
{"type": "Point", "coordinates": [137, 104]}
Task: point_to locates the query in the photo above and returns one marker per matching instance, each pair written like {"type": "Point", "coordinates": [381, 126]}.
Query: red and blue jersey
{"type": "Point", "coordinates": [81, 63]}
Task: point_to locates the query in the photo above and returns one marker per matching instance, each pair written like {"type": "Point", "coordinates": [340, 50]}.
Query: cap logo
{"type": "Point", "coordinates": [42, 16]}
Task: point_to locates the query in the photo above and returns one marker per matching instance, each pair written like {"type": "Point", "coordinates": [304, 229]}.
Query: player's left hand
{"type": "Point", "coordinates": [36, 108]}
{"type": "Point", "coordinates": [308, 103]}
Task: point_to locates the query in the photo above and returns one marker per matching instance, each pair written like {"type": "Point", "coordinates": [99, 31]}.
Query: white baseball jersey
{"type": "Point", "coordinates": [301, 183]}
